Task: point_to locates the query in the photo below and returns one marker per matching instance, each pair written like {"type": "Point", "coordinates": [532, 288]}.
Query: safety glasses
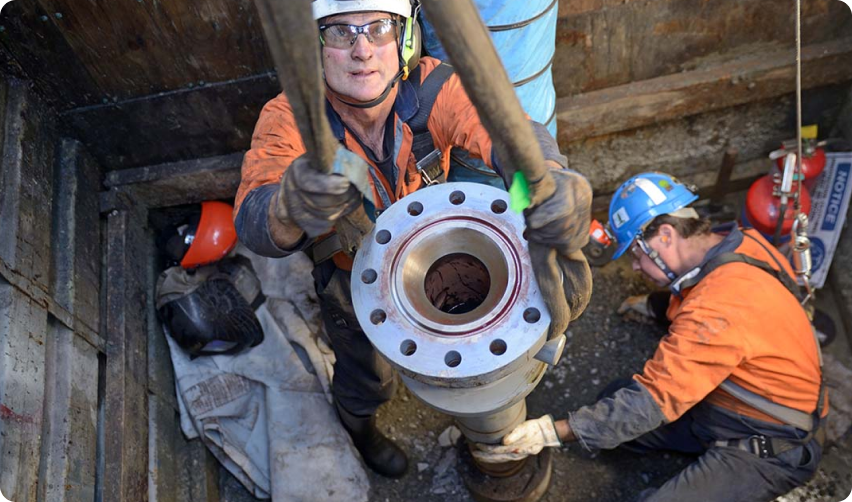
{"type": "Point", "coordinates": [343, 36]}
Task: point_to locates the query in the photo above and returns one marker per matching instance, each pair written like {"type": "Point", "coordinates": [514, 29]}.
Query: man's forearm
{"type": "Point", "coordinates": [282, 230]}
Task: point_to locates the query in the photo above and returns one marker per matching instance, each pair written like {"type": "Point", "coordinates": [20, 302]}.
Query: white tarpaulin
{"type": "Point", "coordinates": [266, 413]}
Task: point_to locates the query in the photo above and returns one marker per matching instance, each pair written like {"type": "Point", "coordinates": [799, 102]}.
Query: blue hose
{"type": "Point", "coordinates": [524, 33]}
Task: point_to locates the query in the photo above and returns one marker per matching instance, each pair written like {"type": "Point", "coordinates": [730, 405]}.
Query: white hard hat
{"type": "Point", "coordinates": [325, 8]}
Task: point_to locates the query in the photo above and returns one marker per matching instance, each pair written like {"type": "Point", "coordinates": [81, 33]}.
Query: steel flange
{"type": "Point", "coordinates": [444, 288]}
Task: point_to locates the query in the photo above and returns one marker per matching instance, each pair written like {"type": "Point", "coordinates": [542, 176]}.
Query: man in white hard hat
{"type": "Point", "coordinates": [395, 112]}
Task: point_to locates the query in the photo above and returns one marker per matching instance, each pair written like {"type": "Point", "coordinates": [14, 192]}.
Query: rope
{"type": "Point", "coordinates": [796, 200]}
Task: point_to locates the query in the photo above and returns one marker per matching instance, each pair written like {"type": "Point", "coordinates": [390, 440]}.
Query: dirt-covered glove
{"type": "Point", "coordinates": [637, 304]}
{"type": "Point", "coordinates": [562, 221]}
{"type": "Point", "coordinates": [315, 200]}
{"type": "Point", "coordinates": [557, 229]}
{"type": "Point", "coordinates": [527, 439]}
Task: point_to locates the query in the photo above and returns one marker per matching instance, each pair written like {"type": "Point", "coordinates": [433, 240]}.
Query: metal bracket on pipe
{"type": "Point", "coordinates": [551, 352]}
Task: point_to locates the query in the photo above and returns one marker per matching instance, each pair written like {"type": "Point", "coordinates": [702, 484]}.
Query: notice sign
{"type": "Point", "coordinates": [829, 202]}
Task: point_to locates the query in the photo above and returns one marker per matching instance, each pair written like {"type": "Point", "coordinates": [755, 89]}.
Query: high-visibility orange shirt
{"type": "Point", "coordinates": [738, 322]}
{"type": "Point", "coordinates": [453, 122]}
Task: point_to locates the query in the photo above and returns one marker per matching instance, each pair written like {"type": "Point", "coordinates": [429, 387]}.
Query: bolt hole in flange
{"type": "Point", "coordinates": [499, 206]}
{"type": "Point", "coordinates": [415, 208]}
{"type": "Point", "coordinates": [457, 283]}
{"type": "Point", "coordinates": [408, 347]}
{"type": "Point", "coordinates": [383, 236]}
{"type": "Point", "coordinates": [369, 276]}
{"type": "Point", "coordinates": [457, 198]}
{"type": "Point", "coordinates": [532, 315]}
{"type": "Point", "coordinates": [452, 359]}
{"type": "Point", "coordinates": [378, 317]}
{"type": "Point", "coordinates": [498, 347]}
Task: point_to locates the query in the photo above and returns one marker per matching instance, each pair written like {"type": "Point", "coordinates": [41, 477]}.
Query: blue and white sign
{"type": "Point", "coordinates": [829, 202]}
{"type": "Point", "coordinates": [836, 191]}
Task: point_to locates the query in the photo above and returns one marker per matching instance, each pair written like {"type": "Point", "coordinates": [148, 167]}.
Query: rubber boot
{"type": "Point", "coordinates": [379, 453]}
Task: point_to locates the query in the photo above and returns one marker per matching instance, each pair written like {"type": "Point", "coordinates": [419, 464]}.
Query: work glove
{"type": "Point", "coordinates": [562, 221]}
{"type": "Point", "coordinates": [636, 305]}
{"type": "Point", "coordinates": [557, 230]}
{"type": "Point", "coordinates": [527, 439]}
{"type": "Point", "coordinates": [315, 200]}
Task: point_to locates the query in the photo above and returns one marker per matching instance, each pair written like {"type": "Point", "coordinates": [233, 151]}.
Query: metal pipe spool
{"type": "Point", "coordinates": [444, 289]}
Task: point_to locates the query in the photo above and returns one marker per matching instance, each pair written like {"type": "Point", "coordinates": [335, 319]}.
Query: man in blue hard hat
{"type": "Point", "coordinates": [736, 381]}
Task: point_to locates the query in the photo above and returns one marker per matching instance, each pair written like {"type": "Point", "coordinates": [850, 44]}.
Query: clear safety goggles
{"type": "Point", "coordinates": [641, 247]}
{"type": "Point", "coordinates": [343, 36]}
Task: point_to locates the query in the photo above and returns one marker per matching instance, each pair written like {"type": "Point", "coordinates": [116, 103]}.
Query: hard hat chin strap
{"type": "Point", "coordinates": [655, 257]}
{"type": "Point", "coordinates": [373, 102]}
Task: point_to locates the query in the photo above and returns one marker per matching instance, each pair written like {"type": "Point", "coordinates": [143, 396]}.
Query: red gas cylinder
{"type": "Point", "coordinates": [762, 207]}
{"type": "Point", "coordinates": [813, 161]}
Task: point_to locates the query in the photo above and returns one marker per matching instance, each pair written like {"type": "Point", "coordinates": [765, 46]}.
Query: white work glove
{"type": "Point", "coordinates": [527, 439]}
{"type": "Point", "coordinates": [636, 304]}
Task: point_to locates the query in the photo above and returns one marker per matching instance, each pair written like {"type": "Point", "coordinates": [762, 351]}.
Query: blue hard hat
{"type": "Point", "coordinates": [641, 199]}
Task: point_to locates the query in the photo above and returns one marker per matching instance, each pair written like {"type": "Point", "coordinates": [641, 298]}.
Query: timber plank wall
{"type": "Point", "coordinates": [87, 405]}
{"type": "Point", "coordinates": [49, 306]}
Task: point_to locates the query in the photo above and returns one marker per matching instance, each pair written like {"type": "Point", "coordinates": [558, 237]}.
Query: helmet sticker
{"type": "Point", "coordinates": [651, 190]}
{"type": "Point", "coordinates": [620, 217]}
{"type": "Point", "coordinates": [665, 185]}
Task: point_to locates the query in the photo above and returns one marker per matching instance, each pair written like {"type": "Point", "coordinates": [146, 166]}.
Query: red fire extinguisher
{"type": "Point", "coordinates": [769, 203]}
{"type": "Point", "coordinates": [813, 153]}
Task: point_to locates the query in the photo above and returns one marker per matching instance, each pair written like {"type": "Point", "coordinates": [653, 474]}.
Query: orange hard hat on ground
{"type": "Point", "coordinates": [213, 238]}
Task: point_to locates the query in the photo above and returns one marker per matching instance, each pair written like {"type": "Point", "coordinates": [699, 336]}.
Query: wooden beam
{"type": "Point", "coordinates": [175, 183]}
{"type": "Point", "coordinates": [652, 101]}
{"type": "Point", "coordinates": [69, 444]}
{"type": "Point", "coordinates": [215, 119]}
{"type": "Point", "coordinates": [125, 469]}
{"type": "Point", "coordinates": [600, 204]}
{"type": "Point", "coordinates": [25, 194]}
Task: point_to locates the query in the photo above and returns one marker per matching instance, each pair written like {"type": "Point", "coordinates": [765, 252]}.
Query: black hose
{"type": "Point", "coordinates": [776, 240]}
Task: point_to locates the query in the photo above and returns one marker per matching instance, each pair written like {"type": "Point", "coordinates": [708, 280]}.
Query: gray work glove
{"type": "Point", "coordinates": [562, 221]}
{"type": "Point", "coordinates": [528, 438]}
{"type": "Point", "coordinates": [315, 200]}
{"type": "Point", "coordinates": [557, 230]}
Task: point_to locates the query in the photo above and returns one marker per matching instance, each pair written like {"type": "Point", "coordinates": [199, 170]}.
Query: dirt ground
{"type": "Point", "coordinates": [602, 346]}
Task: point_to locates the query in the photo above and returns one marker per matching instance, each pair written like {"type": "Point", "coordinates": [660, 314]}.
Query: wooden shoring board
{"type": "Point", "coordinates": [215, 119]}
{"type": "Point", "coordinates": [69, 440]}
{"type": "Point", "coordinates": [69, 446]}
{"type": "Point", "coordinates": [200, 472]}
{"type": "Point", "coordinates": [25, 194]}
{"type": "Point", "coordinates": [125, 425]}
{"type": "Point", "coordinates": [26, 182]}
{"type": "Point", "coordinates": [161, 378]}
{"type": "Point", "coordinates": [164, 483]}
{"type": "Point", "coordinates": [178, 183]}
{"type": "Point", "coordinates": [758, 77]}
{"type": "Point", "coordinates": [23, 328]}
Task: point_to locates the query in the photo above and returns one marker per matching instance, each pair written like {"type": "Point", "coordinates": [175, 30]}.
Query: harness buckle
{"type": "Point", "coordinates": [429, 168]}
{"type": "Point", "coordinates": [761, 446]}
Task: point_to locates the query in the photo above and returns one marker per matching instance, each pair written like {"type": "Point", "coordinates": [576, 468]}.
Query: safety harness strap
{"type": "Point", "coordinates": [725, 258]}
{"type": "Point", "coordinates": [427, 156]}
{"type": "Point", "coordinates": [789, 416]}
{"type": "Point", "coordinates": [760, 445]}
